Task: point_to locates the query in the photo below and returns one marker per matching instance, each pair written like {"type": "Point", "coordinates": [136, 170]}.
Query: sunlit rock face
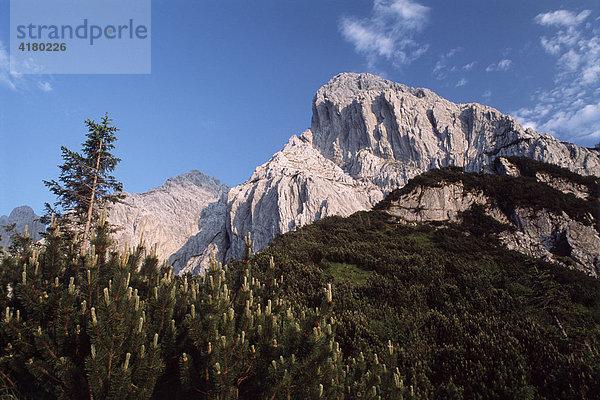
{"type": "Point", "coordinates": [165, 216]}
{"type": "Point", "coordinates": [368, 136]}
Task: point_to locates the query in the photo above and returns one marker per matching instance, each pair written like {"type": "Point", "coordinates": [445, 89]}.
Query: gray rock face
{"type": "Point", "coordinates": [212, 238]}
{"type": "Point", "coordinates": [166, 215]}
{"type": "Point", "coordinates": [368, 136]}
{"type": "Point", "coordinates": [296, 187]}
{"type": "Point", "coordinates": [564, 185]}
{"type": "Point", "coordinates": [387, 133]}
{"type": "Point", "coordinates": [538, 233]}
{"type": "Point", "coordinates": [436, 204]}
{"type": "Point", "coordinates": [550, 236]}
{"type": "Point", "coordinates": [21, 216]}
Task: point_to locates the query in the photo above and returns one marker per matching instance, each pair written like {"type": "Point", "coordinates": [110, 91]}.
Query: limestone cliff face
{"type": "Point", "coordinates": [384, 132]}
{"type": "Point", "coordinates": [212, 237]}
{"type": "Point", "coordinates": [538, 232]}
{"type": "Point", "coordinates": [436, 204]}
{"type": "Point", "coordinates": [21, 217]}
{"type": "Point", "coordinates": [368, 136]}
{"type": "Point", "coordinates": [555, 237]}
{"type": "Point", "coordinates": [296, 187]}
{"type": "Point", "coordinates": [166, 215]}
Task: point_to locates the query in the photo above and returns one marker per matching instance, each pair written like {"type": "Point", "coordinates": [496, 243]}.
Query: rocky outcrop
{"type": "Point", "coordinates": [555, 237]}
{"type": "Point", "coordinates": [166, 215]}
{"type": "Point", "coordinates": [436, 204]}
{"type": "Point", "coordinates": [296, 187]}
{"type": "Point", "coordinates": [21, 217]}
{"type": "Point", "coordinates": [536, 231]}
{"type": "Point", "coordinates": [368, 136]}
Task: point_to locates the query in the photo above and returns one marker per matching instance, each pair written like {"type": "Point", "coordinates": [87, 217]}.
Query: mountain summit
{"type": "Point", "coordinates": [368, 136]}
{"type": "Point", "coordinates": [21, 217]}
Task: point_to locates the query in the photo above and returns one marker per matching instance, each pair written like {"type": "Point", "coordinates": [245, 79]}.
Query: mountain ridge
{"type": "Point", "coordinates": [166, 215]}
{"type": "Point", "coordinates": [368, 136]}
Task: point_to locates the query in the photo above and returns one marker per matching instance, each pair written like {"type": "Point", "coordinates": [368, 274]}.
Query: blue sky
{"type": "Point", "coordinates": [232, 80]}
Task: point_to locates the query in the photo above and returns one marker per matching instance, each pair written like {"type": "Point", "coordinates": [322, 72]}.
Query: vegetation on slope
{"type": "Point", "coordinates": [357, 307]}
{"type": "Point", "coordinates": [472, 319]}
{"type": "Point", "coordinates": [530, 168]}
{"type": "Point", "coordinates": [105, 325]}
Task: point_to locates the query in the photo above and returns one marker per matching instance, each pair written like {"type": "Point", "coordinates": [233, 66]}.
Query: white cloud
{"type": "Point", "coordinates": [502, 65]}
{"type": "Point", "coordinates": [389, 32]}
{"type": "Point", "coordinates": [562, 18]}
{"type": "Point", "coordinates": [570, 110]}
{"type": "Point", "coordinates": [469, 66]}
{"type": "Point", "coordinates": [462, 82]}
{"type": "Point", "coordinates": [7, 78]}
{"type": "Point", "coordinates": [585, 119]}
{"type": "Point", "coordinates": [17, 81]}
{"type": "Point", "coordinates": [45, 86]}
{"type": "Point", "coordinates": [442, 68]}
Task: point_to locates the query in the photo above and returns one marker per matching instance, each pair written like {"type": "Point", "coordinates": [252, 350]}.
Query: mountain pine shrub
{"type": "Point", "coordinates": [109, 325]}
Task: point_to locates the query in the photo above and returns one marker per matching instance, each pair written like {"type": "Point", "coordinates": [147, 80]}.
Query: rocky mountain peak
{"type": "Point", "coordinates": [22, 213]}
{"type": "Point", "coordinates": [168, 214]}
{"type": "Point", "coordinates": [193, 177]}
{"type": "Point", "coordinates": [21, 216]}
{"type": "Point", "coordinates": [347, 87]}
{"type": "Point", "coordinates": [387, 132]}
{"type": "Point", "coordinates": [368, 136]}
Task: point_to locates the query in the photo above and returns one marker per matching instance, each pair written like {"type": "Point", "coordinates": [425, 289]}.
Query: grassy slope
{"type": "Point", "coordinates": [472, 318]}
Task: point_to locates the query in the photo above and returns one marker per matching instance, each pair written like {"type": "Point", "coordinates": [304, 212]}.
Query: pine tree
{"type": "Point", "coordinates": [106, 325]}
{"type": "Point", "coordinates": [80, 326]}
{"type": "Point", "coordinates": [85, 185]}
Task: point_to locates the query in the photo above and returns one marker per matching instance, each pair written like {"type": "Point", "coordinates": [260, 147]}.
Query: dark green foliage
{"type": "Point", "coordinates": [79, 177]}
{"type": "Point", "coordinates": [71, 327]}
{"type": "Point", "coordinates": [348, 273]}
{"type": "Point", "coordinates": [106, 325]}
{"type": "Point", "coordinates": [472, 319]}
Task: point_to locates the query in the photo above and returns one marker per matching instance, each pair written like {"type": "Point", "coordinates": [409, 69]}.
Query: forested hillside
{"type": "Point", "coordinates": [360, 307]}
{"type": "Point", "coordinates": [472, 319]}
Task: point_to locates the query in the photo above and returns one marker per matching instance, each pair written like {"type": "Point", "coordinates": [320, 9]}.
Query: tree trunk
{"type": "Point", "coordinates": [90, 208]}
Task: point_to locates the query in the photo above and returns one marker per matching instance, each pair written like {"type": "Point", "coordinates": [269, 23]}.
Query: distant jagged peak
{"type": "Point", "coordinates": [195, 178]}
{"type": "Point", "coordinates": [21, 213]}
{"type": "Point", "coordinates": [21, 216]}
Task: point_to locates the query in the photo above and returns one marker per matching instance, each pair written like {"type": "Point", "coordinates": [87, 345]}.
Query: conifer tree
{"type": "Point", "coordinates": [85, 185]}
{"type": "Point", "coordinates": [78, 326]}
{"type": "Point", "coordinates": [106, 325]}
